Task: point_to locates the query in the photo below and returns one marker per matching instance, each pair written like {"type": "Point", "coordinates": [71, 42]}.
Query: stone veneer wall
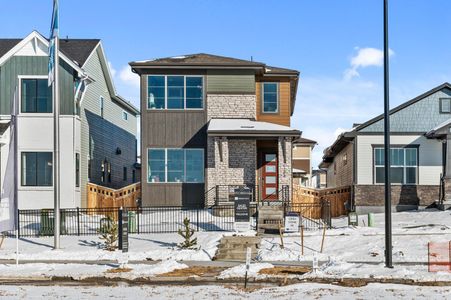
{"type": "Point", "coordinates": [284, 156]}
{"type": "Point", "coordinates": [373, 195]}
{"type": "Point", "coordinates": [231, 106]}
{"type": "Point", "coordinates": [238, 165]}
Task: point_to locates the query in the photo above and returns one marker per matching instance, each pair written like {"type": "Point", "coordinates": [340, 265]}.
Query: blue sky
{"type": "Point", "coordinates": [335, 44]}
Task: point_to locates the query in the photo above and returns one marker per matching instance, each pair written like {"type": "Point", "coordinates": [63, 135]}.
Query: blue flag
{"type": "Point", "coordinates": [54, 28]}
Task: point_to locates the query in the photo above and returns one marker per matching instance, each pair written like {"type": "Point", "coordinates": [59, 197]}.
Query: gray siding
{"type": "Point", "coordinates": [230, 82]}
{"type": "Point", "coordinates": [166, 129]}
{"type": "Point", "coordinates": [106, 134]}
{"type": "Point", "coordinates": [421, 116]}
{"type": "Point", "coordinates": [34, 65]}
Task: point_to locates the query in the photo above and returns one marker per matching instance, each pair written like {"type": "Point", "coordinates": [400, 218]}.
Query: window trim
{"type": "Point", "coordinates": [19, 95]}
{"type": "Point", "coordinates": [77, 174]}
{"type": "Point", "coordinates": [20, 173]}
{"type": "Point", "coordinates": [263, 97]}
{"type": "Point", "coordinates": [166, 93]}
{"type": "Point", "coordinates": [102, 106]}
{"type": "Point", "coordinates": [417, 167]}
{"type": "Point", "coordinates": [125, 113]}
{"type": "Point", "coordinates": [184, 165]}
{"type": "Point", "coordinates": [441, 105]}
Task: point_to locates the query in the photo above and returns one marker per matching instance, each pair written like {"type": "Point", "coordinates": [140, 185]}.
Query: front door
{"type": "Point", "coordinates": [269, 176]}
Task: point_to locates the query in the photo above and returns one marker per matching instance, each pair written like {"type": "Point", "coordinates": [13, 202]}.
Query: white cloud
{"type": "Point", "coordinates": [112, 70]}
{"type": "Point", "coordinates": [128, 77]}
{"type": "Point", "coordinates": [365, 57]}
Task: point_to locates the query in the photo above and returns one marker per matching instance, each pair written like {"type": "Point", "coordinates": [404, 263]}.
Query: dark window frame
{"type": "Point", "coordinates": [23, 94]}
{"type": "Point", "coordinates": [36, 173]}
{"type": "Point", "coordinates": [77, 170]}
{"type": "Point", "coordinates": [441, 105]}
{"type": "Point", "coordinates": [277, 111]}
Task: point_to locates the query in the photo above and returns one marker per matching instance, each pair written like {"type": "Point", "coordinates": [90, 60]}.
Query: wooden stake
{"type": "Point", "coordinates": [281, 237]}
{"type": "Point", "coordinates": [3, 238]}
{"type": "Point", "coordinates": [324, 234]}
{"type": "Point", "coordinates": [302, 240]}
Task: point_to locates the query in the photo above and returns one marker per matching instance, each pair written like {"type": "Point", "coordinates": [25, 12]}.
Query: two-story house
{"type": "Point", "coordinates": [97, 127]}
{"type": "Point", "coordinates": [420, 155]}
{"type": "Point", "coordinates": [211, 124]}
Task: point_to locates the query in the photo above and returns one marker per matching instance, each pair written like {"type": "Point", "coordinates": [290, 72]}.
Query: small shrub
{"type": "Point", "coordinates": [109, 234]}
{"type": "Point", "coordinates": [187, 234]}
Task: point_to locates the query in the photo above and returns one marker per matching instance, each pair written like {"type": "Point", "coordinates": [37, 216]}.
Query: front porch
{"type": "Point", "coordinates": [248, 154]}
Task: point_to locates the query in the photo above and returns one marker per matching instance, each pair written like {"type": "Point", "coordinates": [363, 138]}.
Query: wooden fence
{"type": "Point", "coordinates": [103, 197]}
{"type": "Point", "coordinates": [337, 198]}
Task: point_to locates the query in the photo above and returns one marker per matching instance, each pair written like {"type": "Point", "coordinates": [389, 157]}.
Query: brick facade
{"type": "Point", "coordinates": [230, 162]}
{"type": "Point", "coordinates": [373, 195]}
{"type": "Point", "coordinates": [231, 106]}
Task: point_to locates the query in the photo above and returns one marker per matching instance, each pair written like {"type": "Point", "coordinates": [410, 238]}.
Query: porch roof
{"type": "Point", "coordinates": [439, 130]}
{"type": "Point", "coordinates": [249, 128]}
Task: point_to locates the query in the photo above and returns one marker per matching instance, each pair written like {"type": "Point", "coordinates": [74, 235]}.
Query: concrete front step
{"type": "Point", "coordinates": [235, 247]}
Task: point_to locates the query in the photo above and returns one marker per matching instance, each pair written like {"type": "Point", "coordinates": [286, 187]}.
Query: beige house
{"type": "Point", "coordinates": [302, 161]}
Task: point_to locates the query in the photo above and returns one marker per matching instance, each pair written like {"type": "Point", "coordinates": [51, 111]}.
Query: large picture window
{"type": "Point", "coordinates": [37, 168]}
{"type": "Point", "coordinates": [176, 165]}
{"type": "Point", "coordinates": [403, 165]}
{"type": "Point", "coordinates": [270, 97]}
{"type": "Point", "coordinates": [36, 96]}
{"type": "Point", "coordinates": [175, 92]}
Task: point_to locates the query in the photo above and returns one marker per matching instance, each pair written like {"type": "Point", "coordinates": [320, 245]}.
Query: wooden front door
{"type": "Point", "coordinates": [269, 176]}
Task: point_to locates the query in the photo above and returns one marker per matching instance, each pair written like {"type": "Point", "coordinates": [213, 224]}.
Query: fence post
{"type": "Point", "coordinates": [119, 231]}
{"type": "Point", "coordinates": [78, 221]}
{"type": "Point", "coordinates": [137, 220]}
{"type": "Point", "coordinates": [197, 218]}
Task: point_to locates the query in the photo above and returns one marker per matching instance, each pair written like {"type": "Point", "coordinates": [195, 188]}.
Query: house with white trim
{"type": "Point", "coordinates": [97, 126]}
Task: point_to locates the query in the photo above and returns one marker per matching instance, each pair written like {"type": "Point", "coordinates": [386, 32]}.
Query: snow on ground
{"type": "Point", "coordinates": [411, 233]}
{"type": "Point", "coordinates": [298, 291]}
{"type": "Point", "coordinates": [80, 271]}
{"type": "Point", "coordinates": [240, 271]}
{"type": "Point", "coordinates": [141, 247]}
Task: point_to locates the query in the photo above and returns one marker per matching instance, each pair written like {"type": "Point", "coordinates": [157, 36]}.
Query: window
{"type": "Point", "coordinates": [345, 159]}
{"type": "Point", "coordinates": [445, 105]}
{"type": "Point", "coordinates": [270, 96]}
{"type": "Point", "coordinates": [403, 165]}
{"type": "Point", "coordinates": [101, 103]}
{"type": "Point", "coordinates": [37, 168]}
{"type": "Point", "coordinates": [176, 165]}
{"type": "Point", "coordinates": [124, 115]}
{"type": "Point", "coordinates": [175, 92]}
{"type": "Point", "coordinates": [77, 169]}
{"type": "Point", "coordinates": [36, 96]}
{"type": "Point", "coordinates": [124, 175]}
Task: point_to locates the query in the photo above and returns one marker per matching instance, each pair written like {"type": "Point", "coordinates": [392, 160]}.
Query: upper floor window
{"type": "Point", "coordinates": [36, 96]}
{"type": "Point", "coordinates": [445, 105]}
{"type": "Point", "coordinates": [403, 165]}
{"type": "Point", "coordinates": [175, 92]}
{"type": "Point", "coordinates": [124, 115]}
{"type": "Point", "coordinates": [270, 97]}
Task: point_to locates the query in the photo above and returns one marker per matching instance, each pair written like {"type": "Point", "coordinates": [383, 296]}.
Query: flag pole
{"type": "Point", "coordinates": [56, 133]}
{"type": "Point", "coordinates": [388, 225]}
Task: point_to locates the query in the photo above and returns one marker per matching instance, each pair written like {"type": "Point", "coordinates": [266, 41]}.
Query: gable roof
{"type": "Point", "coordinates": [404, 105]}
{"type": "Point", "coordinates": [7, 44]}
{"type": "Point", "coordinates": [78, 49]}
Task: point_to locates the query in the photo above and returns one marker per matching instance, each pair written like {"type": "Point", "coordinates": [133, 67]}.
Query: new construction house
{"type": "Point", "coordinates": [211, 124]}
{"type": "Point", "coordinates": [97, 126]}
{"type": "Point", "coordinates": [420, 155]}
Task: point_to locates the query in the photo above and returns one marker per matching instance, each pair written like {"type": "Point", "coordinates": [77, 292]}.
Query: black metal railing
{"type": "Point", "coordinates": [89, 221]}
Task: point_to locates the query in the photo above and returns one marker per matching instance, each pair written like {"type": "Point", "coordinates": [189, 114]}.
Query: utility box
{"type": "Point", "coordinates": [370, 220]}
{"type": "Point", "coordinates": [353, 219]}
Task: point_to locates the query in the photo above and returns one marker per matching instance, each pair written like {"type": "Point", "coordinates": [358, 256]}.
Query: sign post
{"type": "Point", "coordinates": [242, 215]}
{"type": "Point", "coordinates": [248, 264]}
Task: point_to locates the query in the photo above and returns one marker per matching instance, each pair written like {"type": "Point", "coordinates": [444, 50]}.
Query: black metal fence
{"type": "Point", "coordinates": [86, 221]}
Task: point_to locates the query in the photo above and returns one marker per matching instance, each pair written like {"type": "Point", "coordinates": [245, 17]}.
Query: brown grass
{"type": "Point", "coordinates": [279, 270]}
{"type": "Point", "coordinates": [118, 270]}
{"type": "Point", "coordinates": [192, 271]}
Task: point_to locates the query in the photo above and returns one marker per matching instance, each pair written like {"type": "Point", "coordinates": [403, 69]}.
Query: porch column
{"type": "Point", "coordinates": [217, 165]}
{"type": "Point", "coordinates": [284, 157]}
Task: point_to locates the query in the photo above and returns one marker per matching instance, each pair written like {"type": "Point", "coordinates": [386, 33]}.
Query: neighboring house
{"type": "Point", "coordinates": [96, 125]}
{"type": "Point", "coordinates": [319, 179]}
{"type": "Point", "coordinates": [301, 162]}
{"type": "Point", "coordinates": [420, 154]}
{"type": "Point", "coordinates": [211, 124]}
